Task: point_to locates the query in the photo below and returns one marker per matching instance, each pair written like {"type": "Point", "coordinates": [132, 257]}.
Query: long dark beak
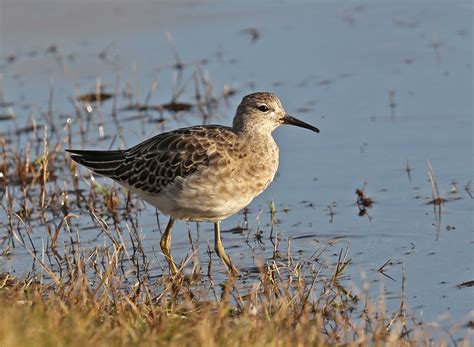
{"type": "Point", "coordinates": [287, 119]}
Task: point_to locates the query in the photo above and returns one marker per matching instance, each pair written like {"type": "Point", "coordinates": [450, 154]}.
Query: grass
{"type": "Point", "coordinates": [277, 310]}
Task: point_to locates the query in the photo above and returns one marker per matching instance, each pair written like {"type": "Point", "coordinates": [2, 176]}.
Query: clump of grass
{"type": "Point", "coordinates": [282, 308]}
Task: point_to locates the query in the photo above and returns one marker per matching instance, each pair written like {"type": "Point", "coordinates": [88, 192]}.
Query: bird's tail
{"type": "Point", "coordinates": [103, 163]}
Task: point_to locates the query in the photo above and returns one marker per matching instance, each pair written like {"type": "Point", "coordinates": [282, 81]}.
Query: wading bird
{"type": "Point", "coordinates": [201, 173]}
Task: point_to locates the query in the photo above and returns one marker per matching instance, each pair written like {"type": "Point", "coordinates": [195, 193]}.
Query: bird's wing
{"type": "Point", "coordinates": [160, 160]}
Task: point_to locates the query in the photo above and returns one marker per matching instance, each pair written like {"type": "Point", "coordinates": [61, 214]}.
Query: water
{"type": "Point", "coordinates": [385, 82]}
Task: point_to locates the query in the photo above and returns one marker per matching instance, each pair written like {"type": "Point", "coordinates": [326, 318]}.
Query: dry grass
{"type": "Point", "coordinates": [277, 310]}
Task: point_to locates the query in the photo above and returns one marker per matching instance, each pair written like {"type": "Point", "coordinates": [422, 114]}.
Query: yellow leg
{"type": "Point", "coordinates": [219, 248]}
{"type": "Point", "coordinates": [165, 244]}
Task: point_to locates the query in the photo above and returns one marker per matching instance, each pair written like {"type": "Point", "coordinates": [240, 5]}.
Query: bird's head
{"type": "Point", "coordinates": [264, 112]}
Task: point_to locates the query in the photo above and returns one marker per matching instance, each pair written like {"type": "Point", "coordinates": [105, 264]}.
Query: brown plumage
{"type": "Point", "coordinates": [201, 173]}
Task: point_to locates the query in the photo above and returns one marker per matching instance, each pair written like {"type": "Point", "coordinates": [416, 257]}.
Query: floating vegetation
{"type": "Point", "coordinates": [466, 284]}
{"type": "Point", "coordinates": [94, 97]}
{"type": "Point", "coordinates": [172, 106]}
{"type": "Point", "coordinates": [363, 201]}
{"type": "Point", "coordinates": [8, 115]}
{"type": "Point", "coordinates": [253, 33]}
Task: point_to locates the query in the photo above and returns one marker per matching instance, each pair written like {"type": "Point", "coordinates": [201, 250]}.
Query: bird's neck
{"type": "Point", "coordinates": [258, 143]}
{"type": "Point", "coordinates": [255, 133]}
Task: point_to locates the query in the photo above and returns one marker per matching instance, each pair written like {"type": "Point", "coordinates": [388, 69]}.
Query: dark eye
{"type": "Point", "coordinates": [263, 108]}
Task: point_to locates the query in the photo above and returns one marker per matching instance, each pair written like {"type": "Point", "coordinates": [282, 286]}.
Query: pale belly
{"type": "Point", "coordinates": [209, 196]}
{"type": "Point", "coordinates": [197, 209]}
